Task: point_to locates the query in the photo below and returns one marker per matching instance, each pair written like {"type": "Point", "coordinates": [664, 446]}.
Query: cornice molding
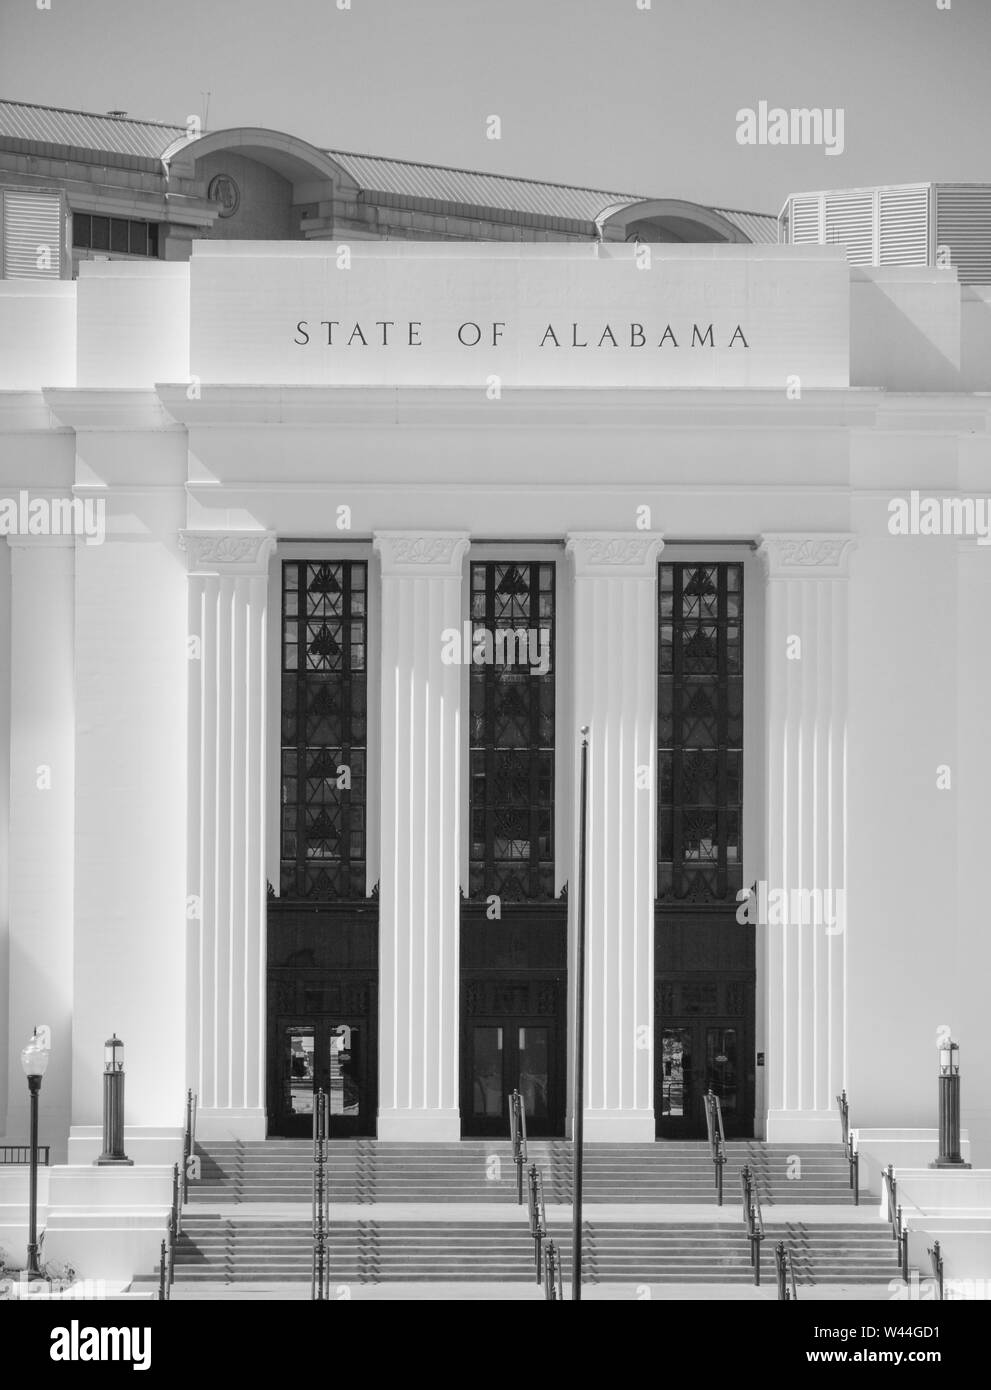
{"type": "Point", "coordinates": [806, 555]}
{"type": "Point", "coordinates": [227, 552]}
{"type": "Point", "coordinates": [27, 412]}
{"type": "Point", "coordinates": [612, 408]}
{"type": "Point", "coordinates": [110, 409]}
{"type": "Point", "coordinates": [430, 554]}
{"type": "Point", "coordinates": [616, 554]}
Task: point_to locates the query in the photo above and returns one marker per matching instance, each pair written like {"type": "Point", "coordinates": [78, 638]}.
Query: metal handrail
{"type": "Point", "coordinates": [785, 1268]}
{"type": "Point", "coordinates": [853, 1159]}
{"type": "Point", "coordinates": [320, 1272]}
{"type": "Point", "coordinates": [891, 1191]}
{"type": "Point", "coordinates": [852, 1156]}
{"type": "Point", "coordinates": [936, 1260]}
{"type": "Point", "coordinates": [844, 1105]}
{"type": "Point", "coordinates": [188, 1143]}
{"type": "Point", "coordinates": [166, 1272]}
{"type": "Point", "coordinates": [538, 1213]}
{"type": "Point", "coordinates": [517, 1130]}
{"type": "Point", "coordinates": [21, 1153]}
{"type": "Point", "coordinates": [746, 1186]}
{"type": "Point", "coordinates": [756, 1232]}
{"type": "Point", "coordinates": [177, 1199]}
{"type": "Point", "coordinates": [553, 1279]}
{"type": "Point", "coordinates": [717, 1139]}
{"type": "Point", "coordinates": [902, 1238]}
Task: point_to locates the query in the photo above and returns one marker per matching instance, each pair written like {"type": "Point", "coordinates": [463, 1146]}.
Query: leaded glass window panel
{"type": "Point", "coordinates": [511, 737]}
{"type": "Point", "coordinates": [700, 732]}
{"type": "Point", "coordinates": [324, 735]}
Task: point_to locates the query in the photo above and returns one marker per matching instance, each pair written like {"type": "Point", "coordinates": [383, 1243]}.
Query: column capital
{"type": "Point", "coordinates": [621, 554]}
{"type": "Point", "coordinates": [227, 552]}
{"type": "Point", "coordinates": [431, 554]}
{"type": "Point", "coordinates": [806, 554]}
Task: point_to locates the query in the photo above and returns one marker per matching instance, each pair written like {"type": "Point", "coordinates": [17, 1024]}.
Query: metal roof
{"type": "Point", "coordinates": [569, 202]}
{"type": "Point", "coordinates": [86, 130]}
{"type": "Point", "coordinates": [123, 136]}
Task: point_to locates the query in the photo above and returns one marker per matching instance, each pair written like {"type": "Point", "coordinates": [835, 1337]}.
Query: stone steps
{"type": "Point", "coordinates": [364, 1171]}
{"type": "Point", "coordinates": [217, 1248]}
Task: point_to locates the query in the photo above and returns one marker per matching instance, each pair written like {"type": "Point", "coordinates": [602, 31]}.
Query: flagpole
{"type": "Point", "coordinates": [578, 1121]}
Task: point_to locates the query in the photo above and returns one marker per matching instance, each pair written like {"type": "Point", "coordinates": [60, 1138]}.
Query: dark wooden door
{"type": "Point", "coordinates": [503, 1054]}
{"type": "Point", "coordinates": [695, 1056]}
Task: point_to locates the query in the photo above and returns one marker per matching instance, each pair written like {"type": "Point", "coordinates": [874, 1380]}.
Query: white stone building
{"type": "Point", "coordinates": [281, 811]}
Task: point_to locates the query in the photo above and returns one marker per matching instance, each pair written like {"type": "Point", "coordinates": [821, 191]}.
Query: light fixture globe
{"type": "Point", "coordinates": [949, 1059]}
{"type": "Point", "coordinates": [113, 1055]}
{"type": "Point", "coordinates": [34, 1057]}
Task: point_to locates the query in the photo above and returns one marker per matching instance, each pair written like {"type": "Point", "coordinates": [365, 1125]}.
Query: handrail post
{"type": "Point", "coordinates": [779, 1263]}
{"type": "Point", "coordinates": [517, 1129]}
{"type": "Point", "coordinates": [161, 1276]}
{"type": "Point", "coordinates": [844, 1106]}
{"type": "Point", "coordinates": [320, 1275]}
{"type": "Point", "coordinates": [550, 1272]}
{"type": "Point", "coordinates": [717, 1145]}
{"type": "Point", "coordinates": [187, 1142]}
{"type": "Point", "coordinates": [936, 1260]}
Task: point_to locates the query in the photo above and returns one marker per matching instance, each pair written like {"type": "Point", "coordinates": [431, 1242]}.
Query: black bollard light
{"type": "Point", "coordinates": [34, 1061]}
{"type": "Point", "coordinates": [949, 1108]}
{"type": "Point", "coordinates": [113, 1103]}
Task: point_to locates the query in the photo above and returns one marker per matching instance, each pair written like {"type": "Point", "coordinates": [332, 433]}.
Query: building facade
{"type": "Point", "coordinates": [339, 543]}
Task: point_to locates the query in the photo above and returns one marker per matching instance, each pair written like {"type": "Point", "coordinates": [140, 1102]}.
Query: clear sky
{"type": "Point", "coordinates": [598, 92]}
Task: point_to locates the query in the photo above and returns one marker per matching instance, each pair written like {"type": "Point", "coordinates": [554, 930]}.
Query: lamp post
{"type": "Point", "coordinates": [949, 1108]}
{"type": "Point", "coordinates": [34, 1060]}
{"type": "Point", "coordinates": [113, 1103]}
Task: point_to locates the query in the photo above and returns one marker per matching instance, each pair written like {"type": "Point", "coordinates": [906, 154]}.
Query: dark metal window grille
{"type": "Point", "coordinates": [125, 235]}
{"type": "Point", "coordinates": [324, 709]}
{"type": "Point", "coordinates": [700, 733]}
{"type": "Point", "coordinates": [512, 732]}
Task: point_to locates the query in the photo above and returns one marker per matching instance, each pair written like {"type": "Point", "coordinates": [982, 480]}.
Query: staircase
{"type": "Point", "coordinates": [219, 1248]}
{"type": "Point", "coordinates": [249, 1214]}
{"type": "Point", "coordinates": [365, 1171]}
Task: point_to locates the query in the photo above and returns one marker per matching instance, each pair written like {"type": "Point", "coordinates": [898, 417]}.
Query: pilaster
{"type": "Point", "coordinates": [615, 679]}
{"type": "Point", "coordinates": [806, 684]}
{"type": "Point", "coordinates": [226, 903]}
{"type": "Point", "coordinates": [419, 901]}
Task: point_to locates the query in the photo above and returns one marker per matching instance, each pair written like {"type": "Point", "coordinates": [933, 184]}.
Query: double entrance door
{"type": "Point", "coordinates": [330, 1052]}
{"type": "Point", "coordinates": [518, 1046]}
{"type": "Point", "coordinates": [695, 1056]}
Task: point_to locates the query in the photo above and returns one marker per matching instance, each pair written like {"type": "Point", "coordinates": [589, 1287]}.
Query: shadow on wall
{"type": "Point", "coordinates": [975, 337]}
{"type": "Point", "coordinates": [905, 330]}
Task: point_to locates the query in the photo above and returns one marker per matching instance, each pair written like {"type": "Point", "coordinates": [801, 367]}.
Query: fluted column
{"type": "Point", "coordinates": [42, 793]}
{"type": "Point", "coordinates": [420, 837]}
{"type": "Point", "coordinates": [615, 682]}
{"type": "Point", "coordinates": [226, 903]}
{"type": "Point", "coordinates": [806, 692]}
